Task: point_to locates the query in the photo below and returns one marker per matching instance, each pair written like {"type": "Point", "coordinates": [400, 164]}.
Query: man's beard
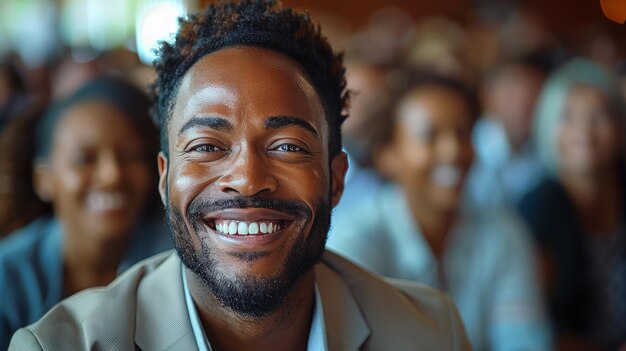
{"type": "Point", "coordinates": [249, 295]}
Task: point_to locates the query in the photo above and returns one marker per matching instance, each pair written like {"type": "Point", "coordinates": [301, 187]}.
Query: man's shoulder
{"type": "Point", "coordinates": [391, 312]}
{"type": "Point", "coordinates": [363, 282]}
{"type": "Point", "coordinates": [395, 312]}
{"type": "Point", "coordinates": [108, 312]}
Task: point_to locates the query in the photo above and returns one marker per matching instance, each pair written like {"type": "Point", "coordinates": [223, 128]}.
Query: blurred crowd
{"type": "Point", "coordinates": [486, 159]}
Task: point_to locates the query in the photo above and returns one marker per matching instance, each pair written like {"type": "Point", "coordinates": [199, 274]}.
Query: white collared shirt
{"type": "Point", "coordinates": [317, 333]}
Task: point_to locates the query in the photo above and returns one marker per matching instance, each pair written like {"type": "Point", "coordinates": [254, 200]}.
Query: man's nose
{"type": "Point", "coordinates": [250, 174]}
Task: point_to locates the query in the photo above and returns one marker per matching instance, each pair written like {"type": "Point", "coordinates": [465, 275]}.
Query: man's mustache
{"type": "Point", "coordinates": [200, 207]}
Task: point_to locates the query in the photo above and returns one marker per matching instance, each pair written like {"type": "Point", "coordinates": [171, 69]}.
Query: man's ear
{"type": "Point", "coordinates": [42, 181]}
{"type": "Point", "coordinates": [162, 165]}
{"type": "Point", "coordinates": [338, 169]}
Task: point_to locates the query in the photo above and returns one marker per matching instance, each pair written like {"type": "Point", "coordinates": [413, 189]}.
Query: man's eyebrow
{"type": "Point", "coordinates": [216, 123]}
{"type": "Point", "coordinates": [276, 122]}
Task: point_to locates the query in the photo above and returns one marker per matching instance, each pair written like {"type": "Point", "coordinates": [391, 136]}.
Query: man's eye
{"type": "Point", "coordinates": [289, 148]}
{"type": "Point", "coordinates": [205, 148]}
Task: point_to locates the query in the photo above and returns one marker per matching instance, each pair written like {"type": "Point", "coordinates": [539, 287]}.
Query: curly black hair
{"type": "Point", "coordinates": [257, 23]}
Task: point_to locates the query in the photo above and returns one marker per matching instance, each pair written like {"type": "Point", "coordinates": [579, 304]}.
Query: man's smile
{"type": "Point", "coordinates": [233, 227]}
{"type": "Point", "coordinates": [250, 225]}
{"type": "Point", "coordinates": [248, 221]}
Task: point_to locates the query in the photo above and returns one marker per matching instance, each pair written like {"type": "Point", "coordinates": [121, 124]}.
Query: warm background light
{"type": "Point", "coordinates": [615, 10]}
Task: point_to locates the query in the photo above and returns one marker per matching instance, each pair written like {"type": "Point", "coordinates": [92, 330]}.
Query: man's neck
{"type": "Point", "coordinates": [286, 329]}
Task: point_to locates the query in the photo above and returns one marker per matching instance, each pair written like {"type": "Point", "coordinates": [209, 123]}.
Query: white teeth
{"type": "Point", "coordinates": [242, 228]}
{"type": "Point", "coordinates": [447, 175]}
{"type": "Point", "coordinates": [105, 202]}
{"type": "Point", "coordinates": [245, 228]}
{"type": "Point", "coordinates": [232, 228]}
{"type": "Point", "coordinates": [253, 228]}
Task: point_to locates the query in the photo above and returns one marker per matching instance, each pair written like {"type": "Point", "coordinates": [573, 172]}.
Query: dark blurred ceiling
{"type": "Point", "coordinates": [561, 16]}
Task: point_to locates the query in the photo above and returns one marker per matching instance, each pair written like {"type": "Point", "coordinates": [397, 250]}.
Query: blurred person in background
{"type": "Point", "coordinates": [12, 94]}
{"type": "Point", "coordinates": [367, 81]}
{"type": "Point", "coordinates": [597, 44]}
{"type": "Point", "coordinates": [506, 165]}
{"type": "Point", "coordinates": [367, 77]}
{"type": "Point", "coordinates": [578, 214]}
{"type": "Point", "coordinates": [437, 46]}
{"type": "Point", "coordinates": [69, 74]}
{"type": "Point", "coordinates": [94, 165]}
{"type": "Point", "coordinates": [415, 229]}
{"type": "Point", "coordinates": [19, 204]}
{"type": "Point", "coordinates": [383, 40]}
{"type": "Point", "coordinates": [500, 32]}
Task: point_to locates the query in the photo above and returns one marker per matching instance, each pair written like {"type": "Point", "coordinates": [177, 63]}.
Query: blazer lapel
{"type": "Point", "coordinates": [345, 325]}
{"type": "Point", "coordinates": [162, 321]}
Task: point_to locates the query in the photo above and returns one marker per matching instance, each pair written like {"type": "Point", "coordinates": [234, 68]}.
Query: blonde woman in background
{"type": "Point", "coordinates": [578, 214]}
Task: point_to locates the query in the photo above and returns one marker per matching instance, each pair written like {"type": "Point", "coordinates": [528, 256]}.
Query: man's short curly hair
{"type": "Point", "coordinates": [256, 23]}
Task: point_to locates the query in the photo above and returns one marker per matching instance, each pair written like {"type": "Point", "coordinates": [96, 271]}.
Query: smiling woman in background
{"type": "Point", "coordinates": [95, 165]}
{"type": "Point", "coordinates": [578, 214]}
{"type": "Point", "coordinates": [415, 228]}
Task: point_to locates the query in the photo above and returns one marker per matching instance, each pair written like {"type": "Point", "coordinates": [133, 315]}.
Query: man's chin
{"type": "Point", "coordinates": [253, 284]}
{"type": "Point", "coordinates": [250, 284]}
{"type": "Point", "coordinates": [250, 257]}
{"type": "Point", "coordinates": [233, 265]}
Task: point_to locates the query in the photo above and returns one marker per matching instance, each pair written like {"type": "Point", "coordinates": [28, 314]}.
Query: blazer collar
{"type": "Point", "coordinates": [346, 328]}
{"type": "Point", "coordinates": [162, 321]}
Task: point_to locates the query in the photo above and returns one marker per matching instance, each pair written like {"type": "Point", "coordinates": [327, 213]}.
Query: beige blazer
{"type": "Point", "coordinates": [144, 309]}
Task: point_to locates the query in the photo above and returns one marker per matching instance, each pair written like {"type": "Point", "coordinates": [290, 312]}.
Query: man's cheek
{"type": "Point", "coordinates": [307, 187]}
{"type": "Point", "coordinates": [187, 182]}
{"type": "Point", "coordinates": [185, 235]}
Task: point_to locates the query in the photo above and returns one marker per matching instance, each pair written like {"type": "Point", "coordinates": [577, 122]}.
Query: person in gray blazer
{"type": "Point", "coordinates": [250, 98]}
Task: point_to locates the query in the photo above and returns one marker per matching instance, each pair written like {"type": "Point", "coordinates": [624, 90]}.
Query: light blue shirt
{"type": "Point", "coordinates": [31, 268]}
{"type": "Point", "coordinates": [499, 177]}
{"type": "Point", "coordinates": [317, 333]}
{"type": "Point", "coordinates": [359, 184]}
{"type": "Point", "coordinates": [487, 267]}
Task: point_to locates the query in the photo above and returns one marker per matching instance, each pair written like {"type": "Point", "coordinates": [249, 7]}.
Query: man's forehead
{"type": "Point", "coordinates": [236, 63]}
{"type": "Point", "coordinates": [248, 74]}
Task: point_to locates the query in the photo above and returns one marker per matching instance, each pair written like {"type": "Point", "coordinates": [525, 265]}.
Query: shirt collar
{"type": "Point", "coordinates": [317, 333]}
{"type": "Point", "coordinates": [196, 325]}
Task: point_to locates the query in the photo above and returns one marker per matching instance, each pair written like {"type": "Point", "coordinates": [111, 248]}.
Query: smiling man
{"type": "Point", "coordinates": [250, 99]}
